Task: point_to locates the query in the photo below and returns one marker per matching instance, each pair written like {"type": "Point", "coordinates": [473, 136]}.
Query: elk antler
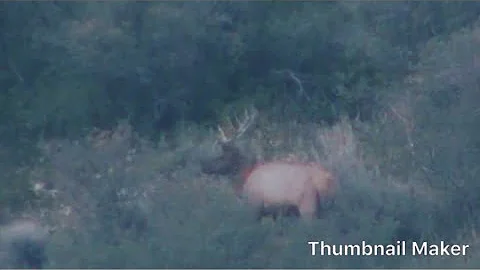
{"type": "Point", "coordinates": [239, 127]}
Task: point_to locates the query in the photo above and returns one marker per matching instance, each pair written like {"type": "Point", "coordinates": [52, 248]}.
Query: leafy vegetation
{"type": "Point", "coordinates": [108, 107]}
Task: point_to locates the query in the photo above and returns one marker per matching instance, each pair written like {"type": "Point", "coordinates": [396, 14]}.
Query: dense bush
{"type": "Point", "coordinates": [107, 110]}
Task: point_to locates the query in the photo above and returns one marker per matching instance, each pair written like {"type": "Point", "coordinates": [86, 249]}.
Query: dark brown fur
{"type": "Point", "coordinates": [232, 162]}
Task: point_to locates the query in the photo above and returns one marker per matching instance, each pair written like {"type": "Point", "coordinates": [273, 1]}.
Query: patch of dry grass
{"type": "Point", "coordinates": [98, 180]}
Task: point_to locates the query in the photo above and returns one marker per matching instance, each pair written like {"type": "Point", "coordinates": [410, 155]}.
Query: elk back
{"type": "Point", "coordinates": [288, 184]}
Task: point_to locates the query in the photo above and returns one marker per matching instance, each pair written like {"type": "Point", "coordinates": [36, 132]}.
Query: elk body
{"type": "Point", "coordinates": [22, 245]}
{"type": "Point", "coordinates": [274, 186]}
{"type": "Point", "coordinates": [279, 184]}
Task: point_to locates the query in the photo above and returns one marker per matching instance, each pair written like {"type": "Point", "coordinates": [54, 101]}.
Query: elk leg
{"type": "Point", "coordinates": [259, 215]}
{"type": "Point", "coordinates": [291, 210]}
{"type": "Point", "coordinates": [261, 212]}
{"type": "Point", "coordinates": [266, 211]}
{"type": "Point", "coordinates": [307, 211]}
{"type": "Point", "coordinates": [308, 205]}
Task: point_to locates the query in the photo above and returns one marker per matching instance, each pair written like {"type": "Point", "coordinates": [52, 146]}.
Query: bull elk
{"type": "Point", "coordinates": [22, 244]}
{"type": "Point", "coordinates": [273, 186]}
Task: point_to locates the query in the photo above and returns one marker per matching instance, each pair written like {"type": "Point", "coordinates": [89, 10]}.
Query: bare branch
{"type": "Point", "coordinates": [301, 90]}
{"type": "Point", "coordinates": [14, 70]}
{"type": "Point", "coordinates": [408, 126]}
{"type": "Point", "coordinates": [297, 81]}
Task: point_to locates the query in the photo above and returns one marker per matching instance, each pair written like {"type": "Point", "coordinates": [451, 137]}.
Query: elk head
{"type": "Point", "coordinates": [232, 161]}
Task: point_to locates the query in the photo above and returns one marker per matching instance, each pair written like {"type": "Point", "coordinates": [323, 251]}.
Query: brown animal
{"type": "Point", "coordinates": [273, 186]}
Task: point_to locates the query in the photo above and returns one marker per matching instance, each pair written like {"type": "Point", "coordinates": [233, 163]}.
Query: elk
{"type": "Point", "coordinates": [22, 244]}
{"type": "Point", "coordinates": [270, 187]}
